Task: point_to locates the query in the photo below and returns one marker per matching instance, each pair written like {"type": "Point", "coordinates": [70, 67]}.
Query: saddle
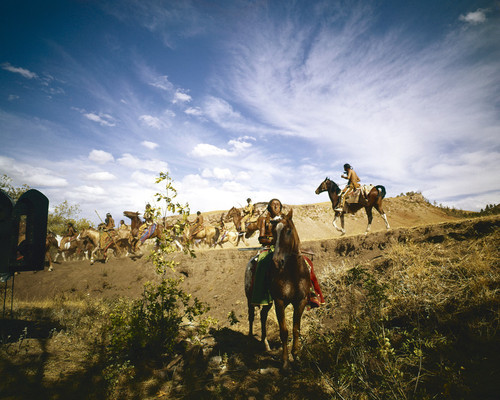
{"type": "Point", "coordinates": [359, 195]}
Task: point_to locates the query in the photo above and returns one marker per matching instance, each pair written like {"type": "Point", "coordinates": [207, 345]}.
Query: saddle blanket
{"type": "Point", "coordinates": [148, 233]}
{"type": "Point", "coordinates": [354, 197]}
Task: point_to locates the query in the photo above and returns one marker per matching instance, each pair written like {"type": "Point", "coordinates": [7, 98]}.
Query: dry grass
{"type": "Point", "coordinates": [419, 322]}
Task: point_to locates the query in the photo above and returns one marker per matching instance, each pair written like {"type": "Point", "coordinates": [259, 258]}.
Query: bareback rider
{"type": "Point", "coordinates": [247, 214]}
{"type": "Point", "coordinates": [260, 292]}
{"type": "Point", "coordinates": [147, 229]}
{"type": "Point", "coordinates": [109, 223]}
{"type": "Point", "coordinates": [352, 185]}
{"type": "Point", "coordinates": [197, 225]}
{"type": "Point", "coordinates": [70, 234]}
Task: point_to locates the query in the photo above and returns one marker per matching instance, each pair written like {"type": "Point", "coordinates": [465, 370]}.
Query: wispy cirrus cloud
{"type": "Point", "coordinates": [101, 118]}
{"type": "Point", "coordinates": [25, 73]}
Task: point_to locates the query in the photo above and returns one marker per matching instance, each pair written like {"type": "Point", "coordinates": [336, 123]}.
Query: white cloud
{"type": "Point", "coordinates": [218, 173]}
{"type": "Point", "coordinates": [102, 119]}
{"type": "Point", "coordinates": [193, 111]}
{"type": "Point", "coordinates": [31, 175]}
{"type": "Point", "coordinates": [209, 150]}
{"type": "Point", "coordinates": [475, 17]}
{"type": "Point", "coordinates": [101, 176]}
{"type": "Point", "coordinates": [101, 156]}
{"type": "Point", "coordinates": [147, 180]}
{"type": "Point", "coordinates": [181, 96]}
{"type": "Point", "coordinates": [12, 97]}
{"type": "Point", "coordinates": [162, 82]}
{"type": "Point", "coordinates": [149, 145]}
{"type": "Point", "coordinates": [133, 162]}
{"type": "Point", "coordinates": [18, 70]}
{"type": "Point", "coordinates": [152, 122]}
{"type": "Point", "coordinates": [239, 145]}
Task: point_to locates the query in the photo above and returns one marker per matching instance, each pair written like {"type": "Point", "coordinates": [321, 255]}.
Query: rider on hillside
{"type": "Point", "coordinates": [148, 221]}
{"type": "Point", "coordinates": [70, 234]}
{"type": "Point", "coordinates": [352, 185]}
{"type": "Point", "coordinates": [123, 225]}
{"type": "Point", "coordinates": [260, 292]}
{"type": "Point", "coordinates": [247, 214]}
{"type": "Point", "coordinates": [109, 223]}
{"type": "Point", "coordinates": [197, 225]}
{"type": "Point", "coordinates": [148, 215]}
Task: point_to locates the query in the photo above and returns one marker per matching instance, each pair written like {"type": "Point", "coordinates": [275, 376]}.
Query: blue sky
{"type": "Point", "coordinates": [257, 99]}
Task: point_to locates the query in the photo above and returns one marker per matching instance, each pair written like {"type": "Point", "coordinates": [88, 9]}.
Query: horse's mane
{"type": "Point", "coordinates": [335, 186]}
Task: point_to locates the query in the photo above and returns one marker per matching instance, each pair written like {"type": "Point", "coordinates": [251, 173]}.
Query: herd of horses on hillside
{"type": "Point", "coordinates": [92, 244]}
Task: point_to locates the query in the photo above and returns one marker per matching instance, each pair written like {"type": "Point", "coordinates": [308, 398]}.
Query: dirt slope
{"type": "Point", "coordinates": [216, 276]}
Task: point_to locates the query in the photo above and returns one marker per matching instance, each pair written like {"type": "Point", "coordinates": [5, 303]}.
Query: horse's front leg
{"type": "Point", "coordinates": [92, 255]}
{"type": "Point", "coordinates": [369, 214]}
{"type": "Point", "coordinates": [263, 325]}
{"type": "Point", "coordinates": [280, 314]}
{"type": "Point", "coordinates": [297, 316]}
{"type": "Point", "coordinates": [251, 317]}
{"type": "Point", "coordinates": [337, 214]}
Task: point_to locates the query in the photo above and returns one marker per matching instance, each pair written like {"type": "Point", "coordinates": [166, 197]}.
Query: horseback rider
{"type": "Point", "coordinates": [352, 185]}
{"type": "Point", "coordinates": [70, 231]}
{"type": "Point", "coordinates": [109, 223]}
{"type": "Point", "coordinates": [247, 214]}
{"type": "Point", "coordinates": [197, 225]}
{"type": "Point", "coordinates": [70, 234]}
{"type": "Point", "coordinates": [260, 293]}
{"type": "Point", "coordinates": [148, 220]}
{"type": "Point", "coordinates": [148, 215]}
{"type": "Point", "coordinates": [123, 225]}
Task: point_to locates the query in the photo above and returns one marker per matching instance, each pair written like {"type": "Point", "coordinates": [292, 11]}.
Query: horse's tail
{"type": "Point", "coordinates": [381, 191]}
{"type": "Point", "coordinates": [217, 235]}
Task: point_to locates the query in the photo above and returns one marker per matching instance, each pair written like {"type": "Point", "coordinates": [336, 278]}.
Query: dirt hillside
{"type": "Point", "coordinates": [216, 276]}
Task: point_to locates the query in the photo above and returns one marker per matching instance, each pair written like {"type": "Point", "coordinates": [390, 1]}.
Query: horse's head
{"type": "Point", "coordinates": [233, 212]}
{"type": "Point", "coordinates": [287, 240]}
{"type": "Point", "coordinates": [327, 186]}
{"type": "Point", "coordinates": [323, 187]}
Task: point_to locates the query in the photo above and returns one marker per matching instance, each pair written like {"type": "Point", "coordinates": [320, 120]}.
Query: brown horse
{"type": "Point", "coordinates": [115, 243]}
{"type": "Point", "coordinates": [374, 199]}
{"type": "Point", "coordinates": [234, 214]}
{"type": "Point", "coordinates": [289, 283]}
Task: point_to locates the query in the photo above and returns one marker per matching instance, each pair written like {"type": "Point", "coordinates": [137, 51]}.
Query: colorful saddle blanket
{"type": "Point", "coordinates": [148, 232]}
